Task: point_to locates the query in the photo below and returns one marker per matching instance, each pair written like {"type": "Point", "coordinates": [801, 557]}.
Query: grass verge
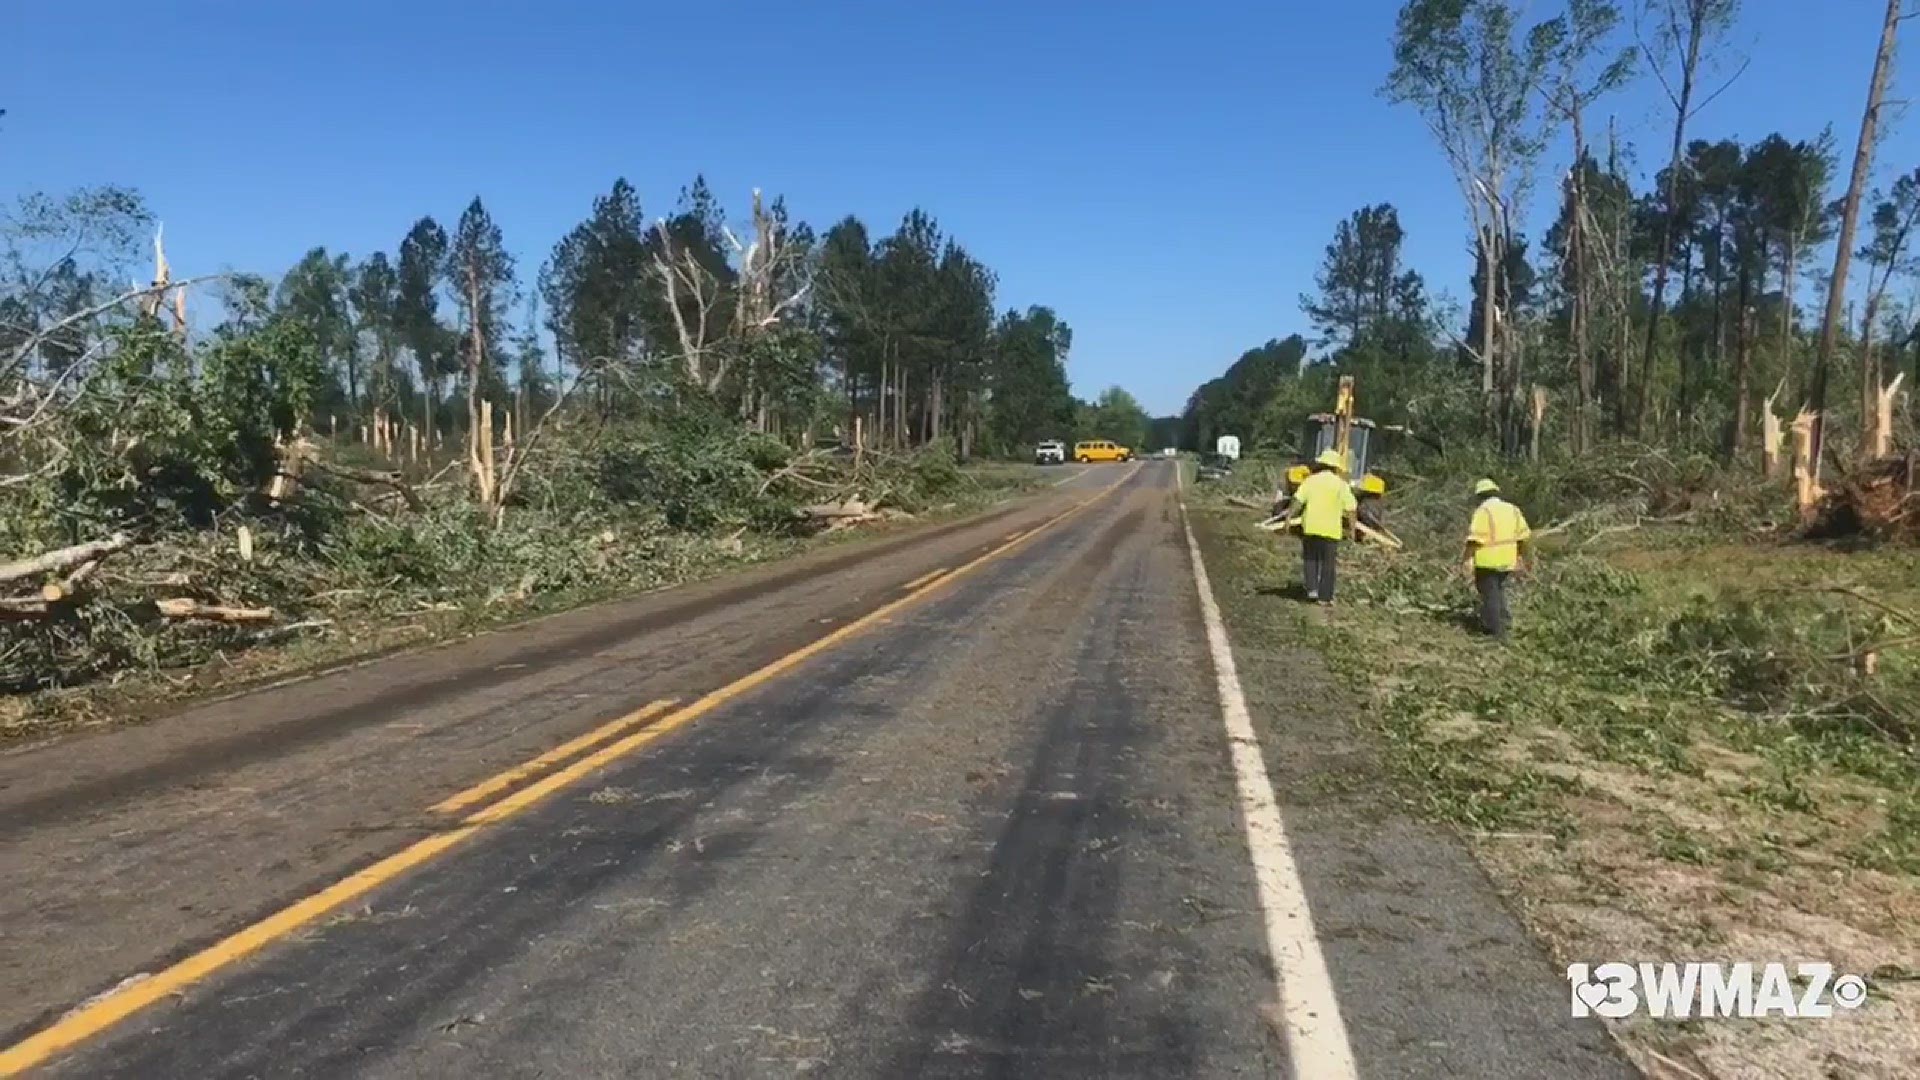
{"type": "Point", "coordinates": [1680, 756]}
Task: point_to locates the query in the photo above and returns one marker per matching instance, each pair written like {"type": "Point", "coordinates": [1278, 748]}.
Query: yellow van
{"type": "Point", "coordinates": [1100, 450]}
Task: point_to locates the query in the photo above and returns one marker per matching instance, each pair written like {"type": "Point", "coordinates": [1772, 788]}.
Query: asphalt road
{"type": "Point", "coordinates": [876, 823]}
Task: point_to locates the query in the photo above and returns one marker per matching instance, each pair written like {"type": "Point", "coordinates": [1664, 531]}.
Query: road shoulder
{"type": "Point", "coordinates": [1434, 974]}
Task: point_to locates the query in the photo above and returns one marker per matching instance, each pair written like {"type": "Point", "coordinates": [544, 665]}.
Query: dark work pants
{"type": "Point", "coordinates": [1493, 600]}
{"type": "Point", "coordinates": [1317, 554]}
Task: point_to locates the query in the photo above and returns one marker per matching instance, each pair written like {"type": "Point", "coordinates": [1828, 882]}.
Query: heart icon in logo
{"type": "Point", "coordinates": [1594, 994]}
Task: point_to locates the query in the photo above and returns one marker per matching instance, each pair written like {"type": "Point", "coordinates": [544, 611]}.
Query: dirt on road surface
{"type": "Point", "coordinates": [964, 805]}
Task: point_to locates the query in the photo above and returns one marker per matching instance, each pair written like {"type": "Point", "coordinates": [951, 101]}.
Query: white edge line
{"type": "Point", "coordinates": [1316, 1035]}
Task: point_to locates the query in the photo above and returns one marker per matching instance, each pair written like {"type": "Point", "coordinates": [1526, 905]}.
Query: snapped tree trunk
{"type": "Point", "coordinates": [479, 427]}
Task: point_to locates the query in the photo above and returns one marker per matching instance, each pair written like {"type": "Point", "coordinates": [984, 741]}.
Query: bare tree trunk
{"type": "Point", "coordinates": [1582, 432]}
{"type": "Point", "coordinates": [1869, 367]}
{"type": "Point", "coordinates": [1682, 107]}
{"type": "Point", "coordinates": [1742, 374]}
{"type": "Point", "coordinates": [1539, 422]}
{"type": "Point", "coordinates": [1849, 221]}
{"type": "Point", "coordinates": [902, 436]}
{"type": "Point", "coordinates": [1787, 270]}
{"type": "Point", "coordinates": [1488, 263]}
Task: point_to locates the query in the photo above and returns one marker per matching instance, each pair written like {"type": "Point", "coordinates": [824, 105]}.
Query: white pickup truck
{"type": "Point", "coordinates": [1051, 452]}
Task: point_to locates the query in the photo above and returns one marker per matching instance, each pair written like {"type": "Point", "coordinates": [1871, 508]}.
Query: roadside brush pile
{"type": "Point", "coordinates": [177, 557]}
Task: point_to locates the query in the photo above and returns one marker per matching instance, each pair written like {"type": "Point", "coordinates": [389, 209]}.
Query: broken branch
{"type": "Point", "coordinates": [54, 562]}
{"type": "Point", "coordinates": [185, 608]}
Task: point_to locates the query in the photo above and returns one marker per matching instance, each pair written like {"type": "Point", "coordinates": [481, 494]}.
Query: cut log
{"type": "Point", "coordinates": [186, 608]}
{"type": "Point", "coordinates": [65, 559]}
{"type": "Point", "coordinates": [1245, 503]}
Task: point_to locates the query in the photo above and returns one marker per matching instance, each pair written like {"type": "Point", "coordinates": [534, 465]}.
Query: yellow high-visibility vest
{"type": "Point", "coordinates": [1324, 499]}
{"type": "Point", "coordinates": [1497, 528]}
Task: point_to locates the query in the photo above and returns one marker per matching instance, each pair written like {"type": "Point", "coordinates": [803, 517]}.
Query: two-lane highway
{"type": "Point", "coordinates": [960, 802]}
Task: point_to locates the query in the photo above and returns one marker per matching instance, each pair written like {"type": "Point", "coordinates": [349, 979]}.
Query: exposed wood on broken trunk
{"type": "Point", "coordinates": [1880, 435]}
{"type": "Point", "coordinates": [1806, 480]}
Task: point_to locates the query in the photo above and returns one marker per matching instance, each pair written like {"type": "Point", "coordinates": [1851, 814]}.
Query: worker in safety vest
{"type": "Point", "coordinates": [1497, 540]}
{"type": "Point", "coordinates": [1323, 507]}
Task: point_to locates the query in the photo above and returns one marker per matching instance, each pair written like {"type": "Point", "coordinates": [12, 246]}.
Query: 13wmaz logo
{"type": "Point", "coordinates": [1617, 990]}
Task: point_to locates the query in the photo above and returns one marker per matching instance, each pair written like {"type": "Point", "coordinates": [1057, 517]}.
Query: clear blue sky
{"type": "Point", "coordinates": [1165, 175]}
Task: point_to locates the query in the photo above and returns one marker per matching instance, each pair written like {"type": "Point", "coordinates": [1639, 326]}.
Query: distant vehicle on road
{"type": "Point", "coordinates": [1214, 467]}
{"type": "Point", "coordinates": [1168, 451]}
{"type": "Point", "coordinates": [1100, 450]}
{"type": "Point", "coordinates": [1051, 452]}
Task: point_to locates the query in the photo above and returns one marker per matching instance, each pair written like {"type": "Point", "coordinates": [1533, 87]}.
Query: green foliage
{"type": "Point", "coordinates": [1028, 397]}
{"type": "Point", "coordinates": [1116, 416]}
{"type": "Point", "coordinates": [695, 474]}
{"type": "Point", "coordinates": [1363, 291]}
{"type": "Point", "coordinates": [1235, 403]}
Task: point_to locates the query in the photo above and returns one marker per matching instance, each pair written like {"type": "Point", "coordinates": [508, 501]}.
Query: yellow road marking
{"type": "Point", "coordinates": [1012, 536]}
{"type": "Point", "coordinates": [923, 579]}
{"type": "Point", "coordinates": [103, 1013]}
{"type": "Point", "coordinates": [494, 785]}
{"type": "Point", "coordinates": [121, 1004]}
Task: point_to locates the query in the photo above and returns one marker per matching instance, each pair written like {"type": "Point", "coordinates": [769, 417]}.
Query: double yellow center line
{"type": "Point", "coordinates": [654, 721]}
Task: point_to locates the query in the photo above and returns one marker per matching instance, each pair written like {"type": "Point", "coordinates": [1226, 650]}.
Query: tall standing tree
{"type": "Point", "coordinates": [1849, 219]}
{"type": "Point", "coordinates": [962, 323]}
{"type": "Point", "coordinates": [906, 266]}
{"type": "Point", "coordinates": [1360, 281]}
{"type": "Point", "coordinates": [480, 274]}
{"type": "Point", "coordinates": [1478, 82]}
{"type": "Point", "coordinates": [845, 293]}
{"type": "Point", "coordinates": [375, 293]}
{"type": "Point", "coordinates": [1028, 396]}
{"type": "Point", "coordinates": [1685, 29]}
{"type": "Point", "coordinates": [1791, 182]}
{"type": "Point", "coordinates": [1585, 69]}
{"type": "Point", "coordinates": [596, 287]}
{"type": "Point", "coordinates": [315, 293]}
{"type": "Point", "coordinates": [1716, 170]}
{"type": "Point", "coordinates": [423, 256]}
{"type": "Point", "coordinates": [1117, 416]}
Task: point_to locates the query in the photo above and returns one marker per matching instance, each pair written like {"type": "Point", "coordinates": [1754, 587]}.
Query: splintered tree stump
{"type": "Point", "coordinates": [1806, 480]}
